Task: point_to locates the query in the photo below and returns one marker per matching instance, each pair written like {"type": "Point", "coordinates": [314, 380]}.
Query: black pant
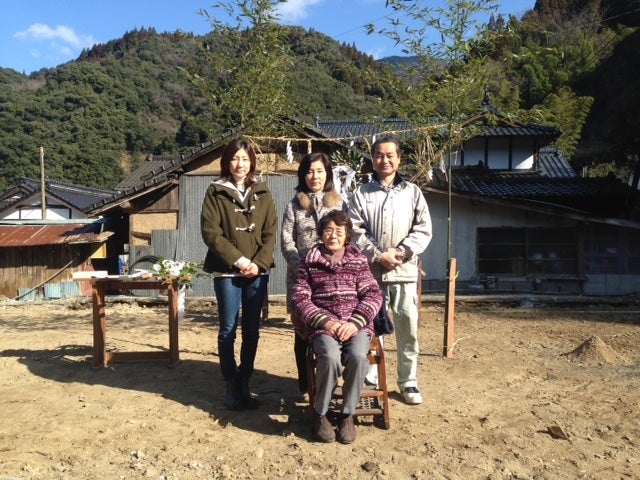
{"type": "Point", "coordinates": [300, 349]}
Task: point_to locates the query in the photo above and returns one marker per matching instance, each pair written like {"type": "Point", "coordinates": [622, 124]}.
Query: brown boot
{"type": "Point", "coordinates": [323, 429]}
{"type": "Point", "coordinates": [347, 430]}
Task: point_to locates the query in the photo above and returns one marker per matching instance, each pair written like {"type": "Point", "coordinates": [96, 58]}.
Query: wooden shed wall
{"type": "Point", "coordinates": [28, 267]}
{"type": "Point", "coordinates": [142, 224]}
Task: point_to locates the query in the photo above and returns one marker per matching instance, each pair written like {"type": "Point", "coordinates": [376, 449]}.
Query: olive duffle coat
{"type": "Point", "coordinates": [233, 228]}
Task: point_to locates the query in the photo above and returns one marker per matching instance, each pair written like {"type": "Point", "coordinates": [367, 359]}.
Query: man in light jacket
{"type": "Point", "coordinates": [392, 226]}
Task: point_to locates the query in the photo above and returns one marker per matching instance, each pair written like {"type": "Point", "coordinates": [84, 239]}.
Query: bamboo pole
{"type": "Point", "coordinates": [450, 296]}
{"type": "Point", "coordinates": [42, 185]}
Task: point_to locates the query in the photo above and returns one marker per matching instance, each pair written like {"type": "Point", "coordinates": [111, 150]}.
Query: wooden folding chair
{"type": "Point", "coordinates": [374, 401]}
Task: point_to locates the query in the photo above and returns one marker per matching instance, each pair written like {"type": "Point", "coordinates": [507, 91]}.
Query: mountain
{"type": "Point", "coordinates": [100, 115]}
{"type": "Point", "coordinates": [606, 34]}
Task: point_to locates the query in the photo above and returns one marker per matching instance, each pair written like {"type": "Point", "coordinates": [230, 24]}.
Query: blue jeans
{"type": "Point", "coordinates": [233, 293]}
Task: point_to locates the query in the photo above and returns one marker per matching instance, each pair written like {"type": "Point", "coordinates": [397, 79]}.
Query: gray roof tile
{"type": "Point", "coordinates": [75, 195]}
{"type": "Point", "coordinates": [552, 163]}
{"type": "Point", "coordinates": [598, 196]}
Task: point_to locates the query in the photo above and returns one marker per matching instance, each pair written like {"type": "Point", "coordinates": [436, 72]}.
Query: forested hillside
{"type": "Point", "coordinates": [98, 116]}
{"type": "Point", "coordinates": [596, 43]}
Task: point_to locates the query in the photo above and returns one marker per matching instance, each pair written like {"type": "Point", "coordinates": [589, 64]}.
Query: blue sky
{"type": "Point", "coordinates": [37, 34]}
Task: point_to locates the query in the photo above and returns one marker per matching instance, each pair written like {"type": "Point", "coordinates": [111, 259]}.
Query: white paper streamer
{"type": "Point", "coordinates": [289, 152]}
{"type": "Point", "coordinates": [181, 303]}
{"type": "Point", "coordinates": [343, 177]}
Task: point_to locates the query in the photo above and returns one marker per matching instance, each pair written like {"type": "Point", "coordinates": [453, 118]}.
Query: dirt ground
{"type": "Point", "coordinates": [534, 391]}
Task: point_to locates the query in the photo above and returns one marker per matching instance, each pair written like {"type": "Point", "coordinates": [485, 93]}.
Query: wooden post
{"type": "Point", "coordinates": [172, 300]}
{"type": "Point", "coordinates": [450, 295]}
{"type": "Point", "coordinates": [99, 326]}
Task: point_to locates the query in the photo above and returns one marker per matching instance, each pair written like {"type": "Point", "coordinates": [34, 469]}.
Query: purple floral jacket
{"type": "Point", "coordinates": [345, 292]}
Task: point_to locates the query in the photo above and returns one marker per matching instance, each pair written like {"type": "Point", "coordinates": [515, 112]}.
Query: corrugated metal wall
{"type": "Point", "coordinates": [186, 243]}
{"type": "Point", "coordinates": [283, 189]}
{"type": "Point", "coordinates": [189, 245]}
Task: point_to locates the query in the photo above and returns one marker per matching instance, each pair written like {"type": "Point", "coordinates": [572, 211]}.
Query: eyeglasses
{"type": "Point", "coordinates": [339, 231]}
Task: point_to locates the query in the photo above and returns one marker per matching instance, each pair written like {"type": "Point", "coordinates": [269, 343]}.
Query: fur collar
{"type": "Point", "coordinates": [329, 199]}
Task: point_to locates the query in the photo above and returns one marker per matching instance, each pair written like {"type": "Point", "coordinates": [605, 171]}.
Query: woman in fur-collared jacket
{"type": "Point", "coordinates": [315, 197]}
{"type": "Point", "coordinates": [239, 227]}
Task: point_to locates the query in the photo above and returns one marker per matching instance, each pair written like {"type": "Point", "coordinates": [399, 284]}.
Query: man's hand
{"type": "Point", "coordinates": [390, 259]}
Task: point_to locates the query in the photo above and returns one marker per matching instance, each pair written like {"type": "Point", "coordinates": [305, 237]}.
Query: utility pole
{"type": "Point", "coordinates": [42, 185]}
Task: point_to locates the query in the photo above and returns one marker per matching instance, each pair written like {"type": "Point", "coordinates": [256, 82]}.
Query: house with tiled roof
{"type": "Point", "coordinates": [536, 231]}
{"type": "Point", "coordinates": [62, 201]}
{"type": "Point", "coordinates": [38, 256]}
{"type": "Point", "coordinates": [522, 220]}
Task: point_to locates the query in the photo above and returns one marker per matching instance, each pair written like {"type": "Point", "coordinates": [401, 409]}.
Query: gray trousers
{"type": "Point", "coordinates": [402, 301]}
{"type": "Point", "coordinates": [332, 356]}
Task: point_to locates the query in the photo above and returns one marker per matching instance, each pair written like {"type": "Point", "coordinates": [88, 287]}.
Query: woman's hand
{"type": "Point", "coordinates": [345, 331]}
{"type": "Point", "coordinates": [332, 327]}
{"type": "Point", "coordinates": [251, 271]}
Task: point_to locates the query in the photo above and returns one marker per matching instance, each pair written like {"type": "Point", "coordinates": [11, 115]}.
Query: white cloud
{"type": "Point", "coordinates": [294, 10]}
{"type": "Point", "coordinates": [377, 53]}
{"type": "Point", "coordinates": [64, 51]}
{"type": "Point", "coordinates": [60, 34]}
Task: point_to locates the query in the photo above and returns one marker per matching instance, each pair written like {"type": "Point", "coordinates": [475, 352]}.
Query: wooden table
{"type": "Point", "coordinates": [101, 357]}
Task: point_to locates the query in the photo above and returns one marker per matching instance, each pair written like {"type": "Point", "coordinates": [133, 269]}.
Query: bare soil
{"type": "Point", "coordinates": [533, 391]}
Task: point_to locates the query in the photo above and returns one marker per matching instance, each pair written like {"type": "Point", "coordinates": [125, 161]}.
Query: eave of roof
{"type": "Point", "coordinates": [129, 194]}
{"type": "Point", "coordinates": [581, 199]}
{"type": "Point", "coordinates": [146, 180]}
{"type": "Point", "coordinates": [540, 207]}
{"type": "Point", "coordinates": [21, 235]}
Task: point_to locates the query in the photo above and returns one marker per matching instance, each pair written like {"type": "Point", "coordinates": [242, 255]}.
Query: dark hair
{"type": "Point", "coordinates": [341, 219]}
{"type": "Point", "coordinates": [305, 165]}
{"type": "Point", "coordinates": [385, 139]}
{"type": "Point", "coordinates": [228, 154]}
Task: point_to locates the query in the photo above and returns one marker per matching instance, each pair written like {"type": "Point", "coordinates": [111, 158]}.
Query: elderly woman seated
{"type": "Point", "coordinates": [335, 299]}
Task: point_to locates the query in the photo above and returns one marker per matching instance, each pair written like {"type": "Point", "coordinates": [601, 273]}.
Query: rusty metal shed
{"type": "Point", "coordinates": [17, 235]}
{"type": "Point", "coordinates": [33, 254]}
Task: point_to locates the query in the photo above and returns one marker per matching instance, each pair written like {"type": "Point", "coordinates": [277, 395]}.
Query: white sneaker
{"type": "Point", "coordinates": [371, 382]}
{"type": "Point", "coordinates": [412, 396]}
{"type": "Point", "coordinates": [371, 379]}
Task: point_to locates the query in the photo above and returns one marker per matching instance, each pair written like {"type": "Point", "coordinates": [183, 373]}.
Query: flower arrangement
{"type": "Point", "coordinates": [184, 272]}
